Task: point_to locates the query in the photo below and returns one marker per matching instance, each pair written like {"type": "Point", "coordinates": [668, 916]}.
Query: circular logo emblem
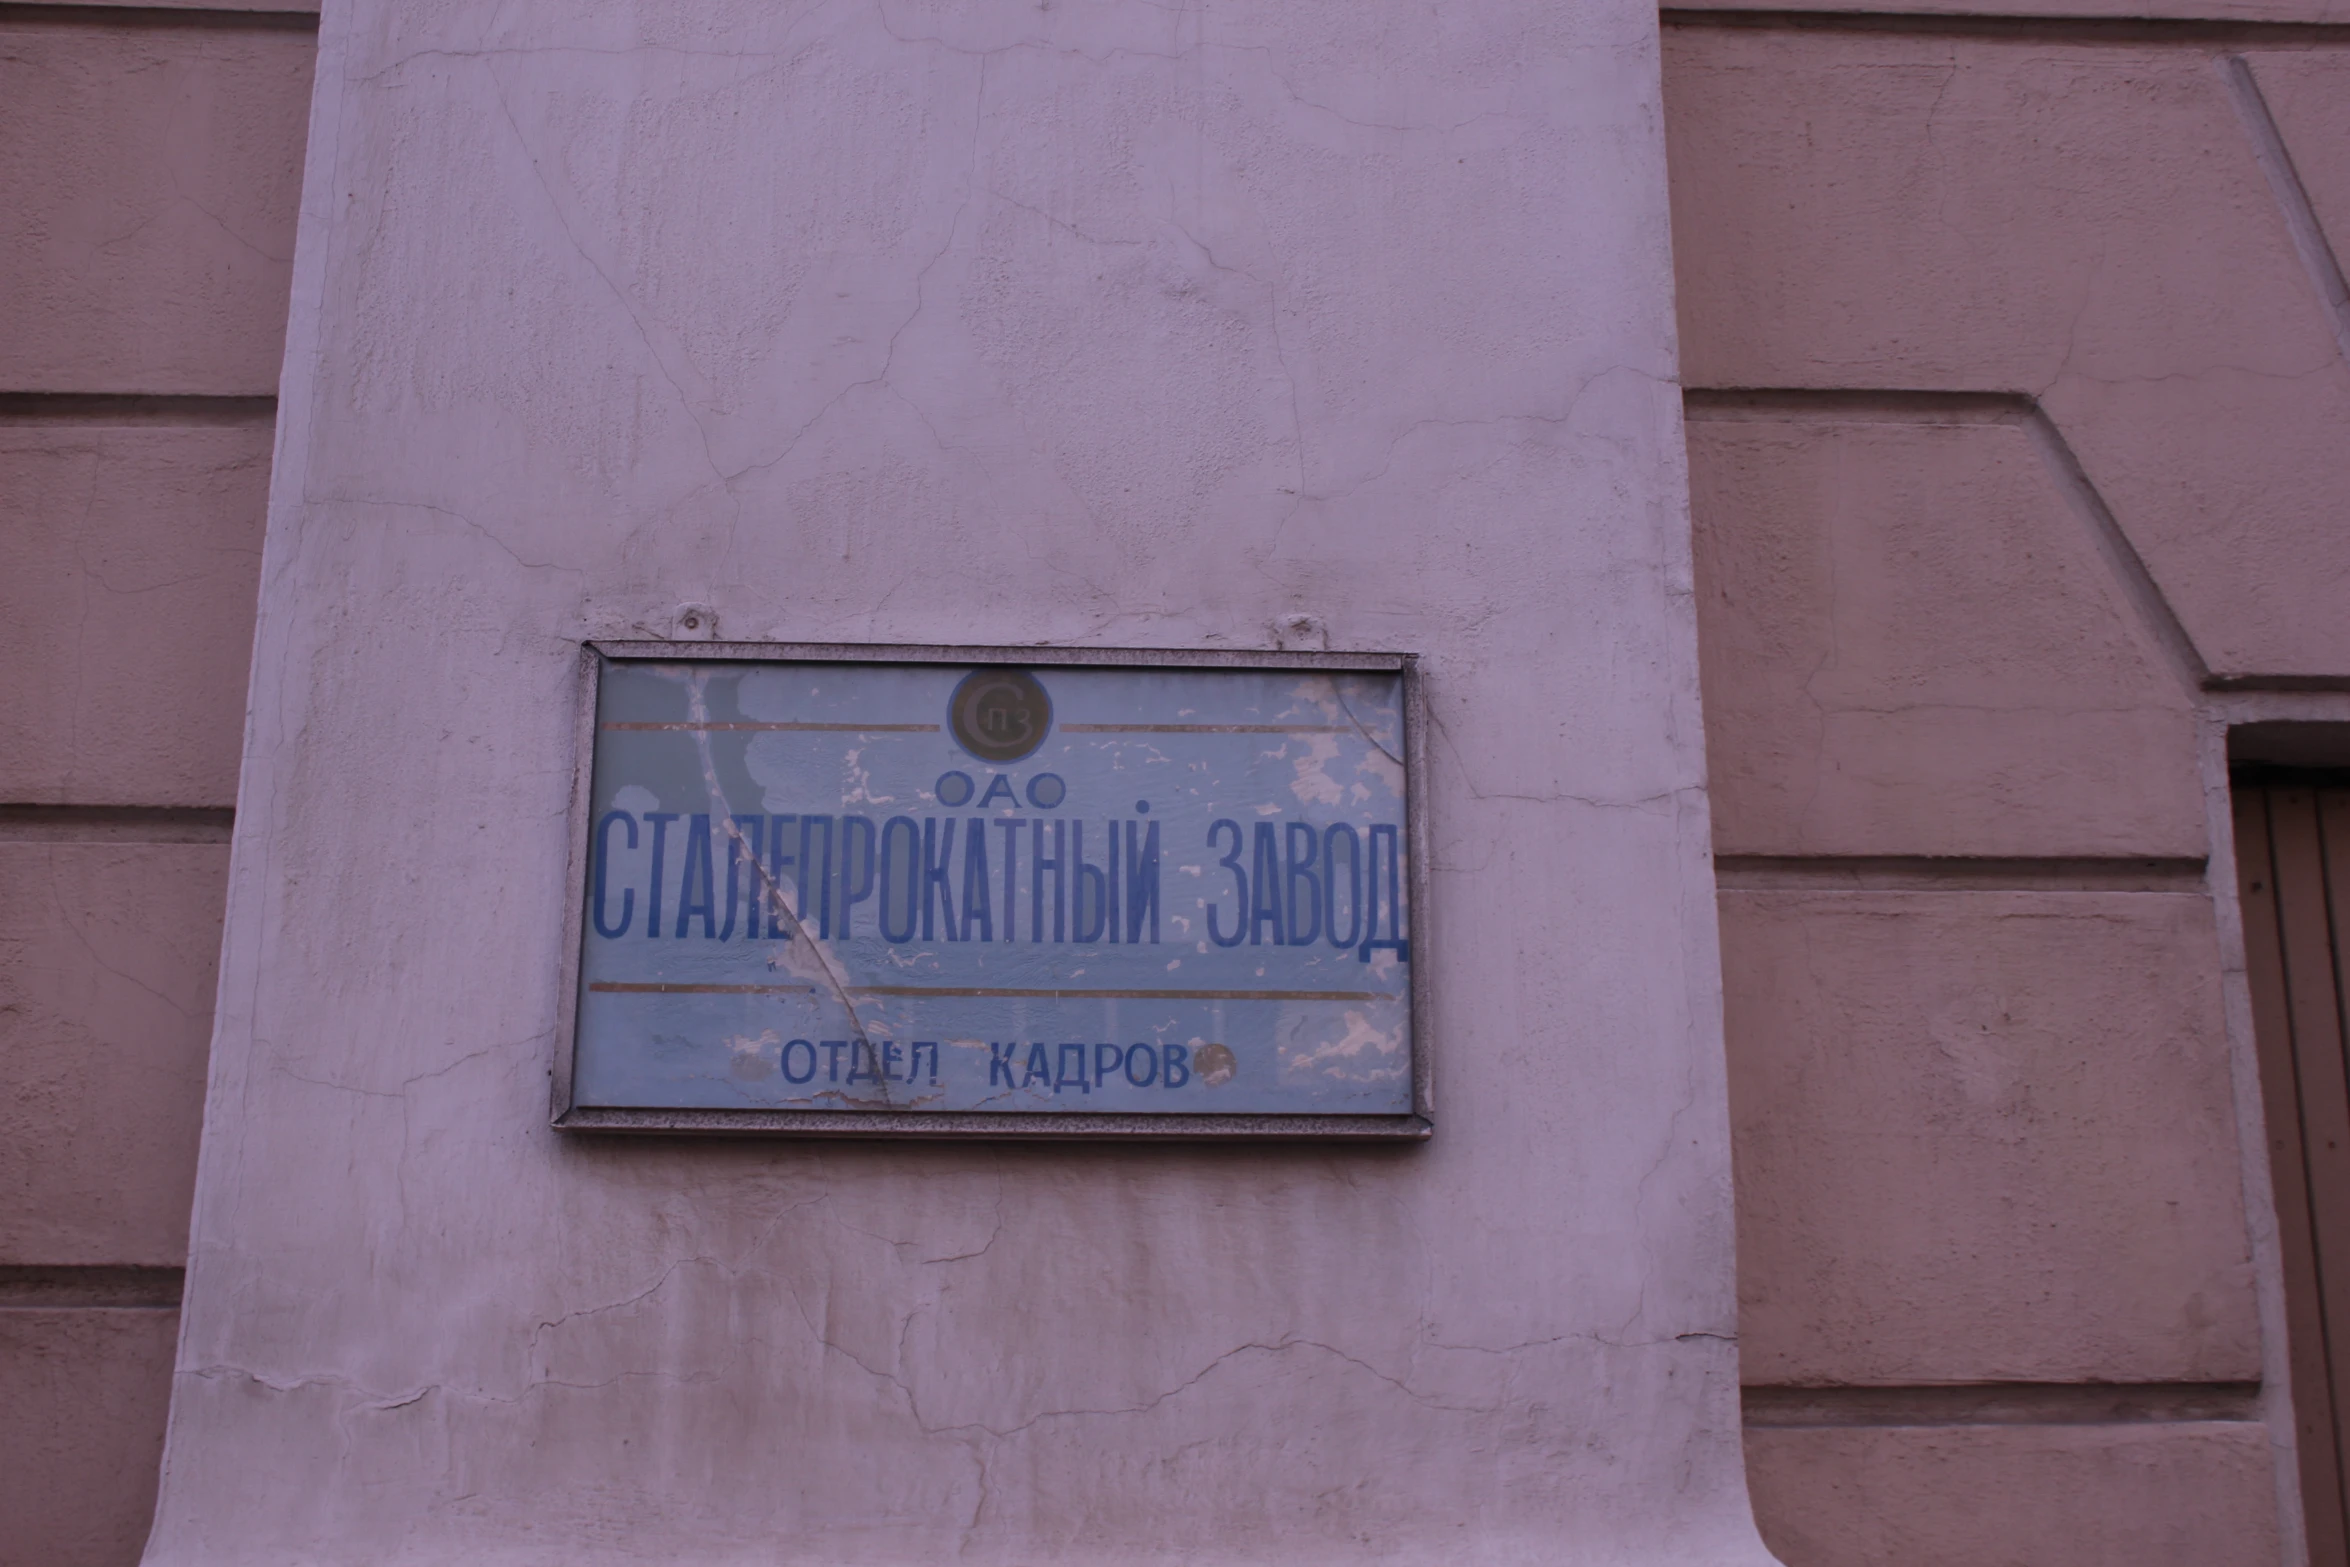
{"type": "Point", "coordinates": [999, 715]}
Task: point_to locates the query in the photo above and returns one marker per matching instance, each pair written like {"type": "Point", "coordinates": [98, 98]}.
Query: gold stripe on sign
{"type": "Point", "coordinates": [1205, 729]}
{"type": "Point", "coordinates": [916, 992]}
{"type": "Point", "coordinates": [701, 990]}
{"type": "Point", "coordinates": [830, 729]}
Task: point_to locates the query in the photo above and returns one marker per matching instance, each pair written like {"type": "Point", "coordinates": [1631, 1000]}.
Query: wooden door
{"type": "Point", "coordinates": [2293, 871]}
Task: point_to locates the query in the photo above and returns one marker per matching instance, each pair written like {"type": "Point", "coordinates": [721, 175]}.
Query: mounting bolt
{"type": "Point", "coordinates": [1307, 633]}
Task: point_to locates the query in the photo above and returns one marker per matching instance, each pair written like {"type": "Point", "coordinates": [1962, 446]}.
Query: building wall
{"type": "Point", "coordinates": [149, 168]}
{"type": "Point", "coordinates": [2019, 430]}
{"type": "Point", "coordinates": [2016, 423]}
{"type": "Point", "coordinates": [985, 323]}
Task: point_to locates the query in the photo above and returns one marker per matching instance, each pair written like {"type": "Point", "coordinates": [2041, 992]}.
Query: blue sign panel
{"type": "Point", "coordinates": [937, 889]}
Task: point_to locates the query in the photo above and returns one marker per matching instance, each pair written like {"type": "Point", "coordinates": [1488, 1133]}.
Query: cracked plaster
{"type": "Point", "coordinates": [1116, 324]}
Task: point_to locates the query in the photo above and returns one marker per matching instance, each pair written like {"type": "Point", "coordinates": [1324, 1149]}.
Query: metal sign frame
{"type": "Point", "coordinates": [993, 1125]}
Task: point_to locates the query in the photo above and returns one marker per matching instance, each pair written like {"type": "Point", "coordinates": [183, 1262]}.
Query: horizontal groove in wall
{"type": "Point", "coordinates": [154, 17]}
{"type": "Point", "coordinates": [2277, 683]}
{"type": "Point", "coordinates": [1939, 873]}
{"type": "Point", "coordinates": [115, 824]}
{"type": "Point", "coordinates": [2103, 30]}
{"type": "Point", "coordinates": [69, 1288]}
{"type": "Point", "coordinates": [1721, 403]}
{"type": "Point", "coordinates": [2002, 1404]}
{"type": "Point", "coordinates": [132, 408]}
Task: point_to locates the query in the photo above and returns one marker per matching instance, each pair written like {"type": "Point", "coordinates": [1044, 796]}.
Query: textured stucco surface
{"type": "Point", "coordinates": [149, 171]}
{"type": "Point", "coordinates": [1958, 734]}
{"type": "Point", "coordinates": [149, 178]}
{"type": "Point", "coordinates": [2053, 1496]}
{"type": "Point", "coordinates": [2087, 226]}
{"type": "Point", "coordinates": [2065, 10]}
{"type": "Point", "coordinates": [107, 952]}
{"type": "Point", "coordinates": [278, 7]}
{"type": "Point", "coordinates": [1957, 1170]}
{"type": "Point", "coordinates": [132, 556]}
{"type": "Point", "coordinates": [1911, 647]}
{"type": "Point", "coordinates": [1993, 1120]}
{"type": "Point", "coordinates": [2309, 96]}
{"type": "Point", "coordinates": [1111, 324]}
{"type": "Point", "coordinates": [85, 1392]}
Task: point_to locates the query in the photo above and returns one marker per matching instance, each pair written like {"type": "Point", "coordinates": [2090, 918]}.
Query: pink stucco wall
{"type": "Point", "coordinates": [2018, 403]}
{"type": "Point", "coordinates": [2017, 411]}
{"type": "Point", "coordinates": [148, 170]}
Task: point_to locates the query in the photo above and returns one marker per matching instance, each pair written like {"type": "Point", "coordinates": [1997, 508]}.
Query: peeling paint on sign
{"type": "Point", "coordinates": [894, 888]}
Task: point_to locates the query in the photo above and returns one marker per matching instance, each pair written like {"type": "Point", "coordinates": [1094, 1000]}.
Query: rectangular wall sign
{"type": "Point", "coordinates": [996, 891]}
